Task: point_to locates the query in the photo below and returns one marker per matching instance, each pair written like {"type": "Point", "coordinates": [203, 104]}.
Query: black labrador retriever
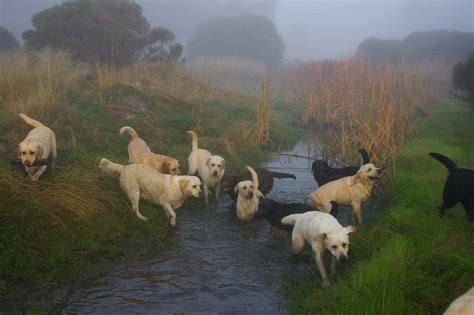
{"type": "Point", "coordinates": [265, 181]}
{"type": "Point", "coordinates": [459, 187]}
{"type": "Point", "coordinates": [274, 211]}
{"type": "Point", "coordinates": [324, 174]}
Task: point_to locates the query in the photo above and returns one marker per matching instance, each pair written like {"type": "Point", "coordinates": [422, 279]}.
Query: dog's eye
{"type": "Point", "coordinates": [344, 245]}
{"type": "Point", "coordinates": [251, 186]}
{"type": "Point", "coordinates": [213, 164]}
{"type": "Point", "coordinates": [23, 152]}
{"type": "Point", "coordinates": [32, 152]}
{"type": "Point", "coordinates": [334, 246]}
{"type": "Point", "coordinates": [369, 169]}
{"type": "Point", "coordinates": [194, 186]}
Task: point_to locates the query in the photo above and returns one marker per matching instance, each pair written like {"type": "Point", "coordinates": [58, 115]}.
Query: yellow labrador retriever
{"type": "Point", "coordinates": [169, 191]}
{"type": "Point", "coordinates": [40, 143]}
{"type": "Point", "coordinates": [463, 305]}
{"type": "Point", "coordinates": [140, 153]}
{"type": "Point", "coordinates": [210, 167]}
{"type": "Point", "coordinates": [348, 191]}
{"type": "Point", "coordinates": [248, 197]}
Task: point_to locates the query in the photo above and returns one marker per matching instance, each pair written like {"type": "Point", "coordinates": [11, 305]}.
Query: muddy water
{"type": "Point", "coordinates": [214, 263]}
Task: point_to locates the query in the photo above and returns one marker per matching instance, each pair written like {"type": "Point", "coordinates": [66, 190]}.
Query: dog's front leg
{"type": "Point", "coordinates": [333, 266]}
{"type": "Point", "coordinates": [172, 214]}
{"type": "Point", "coordinates": [218, 189]}
{"type": "Point", "coordinates": [206, 193]}
{"type": "Point", "coordinates": [357, 213]}
{"type": "Point", "coordinates": [35, 177]}
{"type": "Point", "coordinates": [322, 270]}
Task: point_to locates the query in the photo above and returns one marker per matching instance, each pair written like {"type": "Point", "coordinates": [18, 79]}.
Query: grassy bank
{"type": "Point", "coordinates": [409, 261]}
{"type": "Point", "coordinates": [74, 224]}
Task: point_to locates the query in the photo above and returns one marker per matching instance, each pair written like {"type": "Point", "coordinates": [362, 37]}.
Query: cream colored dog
{"type": "Point", "coordinates": [40, 143]}
{"type": "Point", "coordinates": [169, 191]}
{"type": "Point", "coordinates": [210, 167]}
{"type": "Point", "coordinates": [463, 305]}
{"type": "Point", "coordinates": [140, 153]}
{"type": "Point", "coordinates": [321, 231]}
{"type": "Point", "coordinates": [348, 191]}
{"type": "Point", "coordinates": [248, 197]}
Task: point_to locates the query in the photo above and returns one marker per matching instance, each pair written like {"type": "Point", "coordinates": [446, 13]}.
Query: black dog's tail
{"type": "Point", "coordinates": [282, 175]}
{"type": "Point", "coordinates": [365, 156]}
{"type": "Point", "coordinates": [450, 165]}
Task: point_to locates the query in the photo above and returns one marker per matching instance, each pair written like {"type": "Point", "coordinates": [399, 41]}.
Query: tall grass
{"type": "Point", "coordinates": [361, 104]}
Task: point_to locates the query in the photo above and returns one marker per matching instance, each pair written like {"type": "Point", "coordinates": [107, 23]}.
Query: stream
{"type": "Point", "coordinates": [214, 263]}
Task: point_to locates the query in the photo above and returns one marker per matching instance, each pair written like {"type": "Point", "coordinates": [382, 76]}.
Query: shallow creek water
{"type": "Point", "coordinates": [214, 263]}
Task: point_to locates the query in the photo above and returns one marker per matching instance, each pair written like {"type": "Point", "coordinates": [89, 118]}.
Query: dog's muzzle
{"type": "Point", "coordinates": [27, 163]}
{"type": "Point", "coordinates": [342, 258]}
{"type": "Point", "coordinates": [200, 194]}
{"type": "Point", "coordinates": [215, 173]}
{"type": "Point", "coordinates": [249, 195]}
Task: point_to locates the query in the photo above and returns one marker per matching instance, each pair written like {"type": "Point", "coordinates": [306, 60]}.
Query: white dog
{"type": "Point", "coordinates": [140, 153]}
{"type": "Point", "coordinates": [321, 231]}
{"type": "Point", "coordinates": [248, 197]}
{"type": "Point", "coordinates": [40, 143]}
{"type": "Point", "coordinates": [463, 305]}
{"type": "Point", "coordinates": [210, 167]}
{"type": "Point", "coordinates": [348, 191]}
{"type": "Point", "coordinates": [169, 191]}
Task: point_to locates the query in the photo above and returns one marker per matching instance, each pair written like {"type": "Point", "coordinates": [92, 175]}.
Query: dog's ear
{"type": "Point", "coordinates": [321, 237]}
{"type": "Point", "coordinates": [39, 154]}
{"type": "Point", "coordinates": [236, 188]}
{"type": "Point", "coordinates": [19, 149]}
{"type": "Point", "coordinates": [182, 183]}
{"type": "Point", "coordinates": [223, 163]}
{"type": "Point", "coordinates": [349, 229]}
{"type": "Point", "coordinates": [208, 161]}
{"type": "Point", "coordinates": [356, 178]}
{"type": "Point", "coordinates": [165, 166]}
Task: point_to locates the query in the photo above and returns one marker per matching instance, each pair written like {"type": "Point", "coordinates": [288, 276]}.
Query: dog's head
{"type": "Point", "coordinates": [368, 172]}
{"type": "Point", "coordinates": [191, 185]}
{"type": "Point", "coordinates": [216, 165]}
{"type": "Point", "coordinates": [320, 168]}
{"type": "Point", "coordinates": [29, 152]}
{"type": "Point", "coordinates": [264, 209]}
{"type": "Point", "coordinates": [245, 189]}
{"type": "Point", "coordinates": [171, 166]}
{"type": "Point", "coordinates": [337, 242]}
{"type": "Point", "coordinates": [228, 182]}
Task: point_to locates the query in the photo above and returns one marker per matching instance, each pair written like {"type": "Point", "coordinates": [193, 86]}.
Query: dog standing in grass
{"type": "Point", "coordinates": [322, 232]}
{"type": "Point", "coordinates": [210, 167]}
{"type": "Point", "coordinates": [140, 153]}
{"type": "Point", "coordinates": [351, 191]}
{"type": "Point", "coordinates": [40, 143]}
{"type": "Point", "coordinates": [248, 197]}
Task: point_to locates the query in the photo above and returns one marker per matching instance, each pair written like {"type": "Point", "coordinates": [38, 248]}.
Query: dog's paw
{"type": "Point", "coordinates": [326, 284]}
{"type": "Point", "coordinates": [173, 222]}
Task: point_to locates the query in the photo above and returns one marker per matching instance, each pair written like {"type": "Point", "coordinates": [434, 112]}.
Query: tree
{"type": "Point", "coordinates": [109, 31]}
{"type": "Point", "coordinates": [463, 79]}
{"type": "Point", "coordinates": [245, 36]}
{"type": "Point", "coordinates": [8, 42]}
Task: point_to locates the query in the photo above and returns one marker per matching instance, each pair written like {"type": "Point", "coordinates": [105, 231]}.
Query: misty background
{"type": "Point", "coordinates": [309, 29]}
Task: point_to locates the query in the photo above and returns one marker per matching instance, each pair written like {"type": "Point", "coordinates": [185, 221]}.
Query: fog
{"type": "Point", "coordinates": [309, 28]}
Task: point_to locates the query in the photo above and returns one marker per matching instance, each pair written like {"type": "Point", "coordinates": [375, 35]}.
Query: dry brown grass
{"type": "Point", "coordinates": [361, 104]}
{"type": "Point", "coordinates": [262, 132]}
{"type": "Point", "coordinates": [37, 82]}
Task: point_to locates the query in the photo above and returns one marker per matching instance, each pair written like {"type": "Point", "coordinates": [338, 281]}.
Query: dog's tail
{"type": "Point", "coordinates": [282, 175]}
{"type": "Point", "coordinates": [30, 121]}
{"type": "Point", "coordinates": [195, 139]}
{"type": "Point", "coordinates": [254, 177]}
{"type": "Point", "coordinates": [110, 167]}
{"type": "Point", "coordinates": [365, 156]}
{"type": "Point", "coordinates": [130, 131]}
{"type": "Point", "coordinates": [450, 165]}
{"type": "Point", "coordinates": [290, 219]}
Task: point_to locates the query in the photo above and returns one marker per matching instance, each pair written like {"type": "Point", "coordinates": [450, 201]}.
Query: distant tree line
{"type": "Point", "coordinates": [8, 42]}
{"type": "Point", "coordinates": [245, 36]}
{"type": "Point", "coordinates": [113, 32]}
{"type": "Point", "coordinates": [463, 80]}
{"type": "Point", "coordinates": [417, 46]}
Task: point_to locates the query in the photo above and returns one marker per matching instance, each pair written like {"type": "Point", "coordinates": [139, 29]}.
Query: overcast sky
{"type": "Point", "coordinates": [310, 28]}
